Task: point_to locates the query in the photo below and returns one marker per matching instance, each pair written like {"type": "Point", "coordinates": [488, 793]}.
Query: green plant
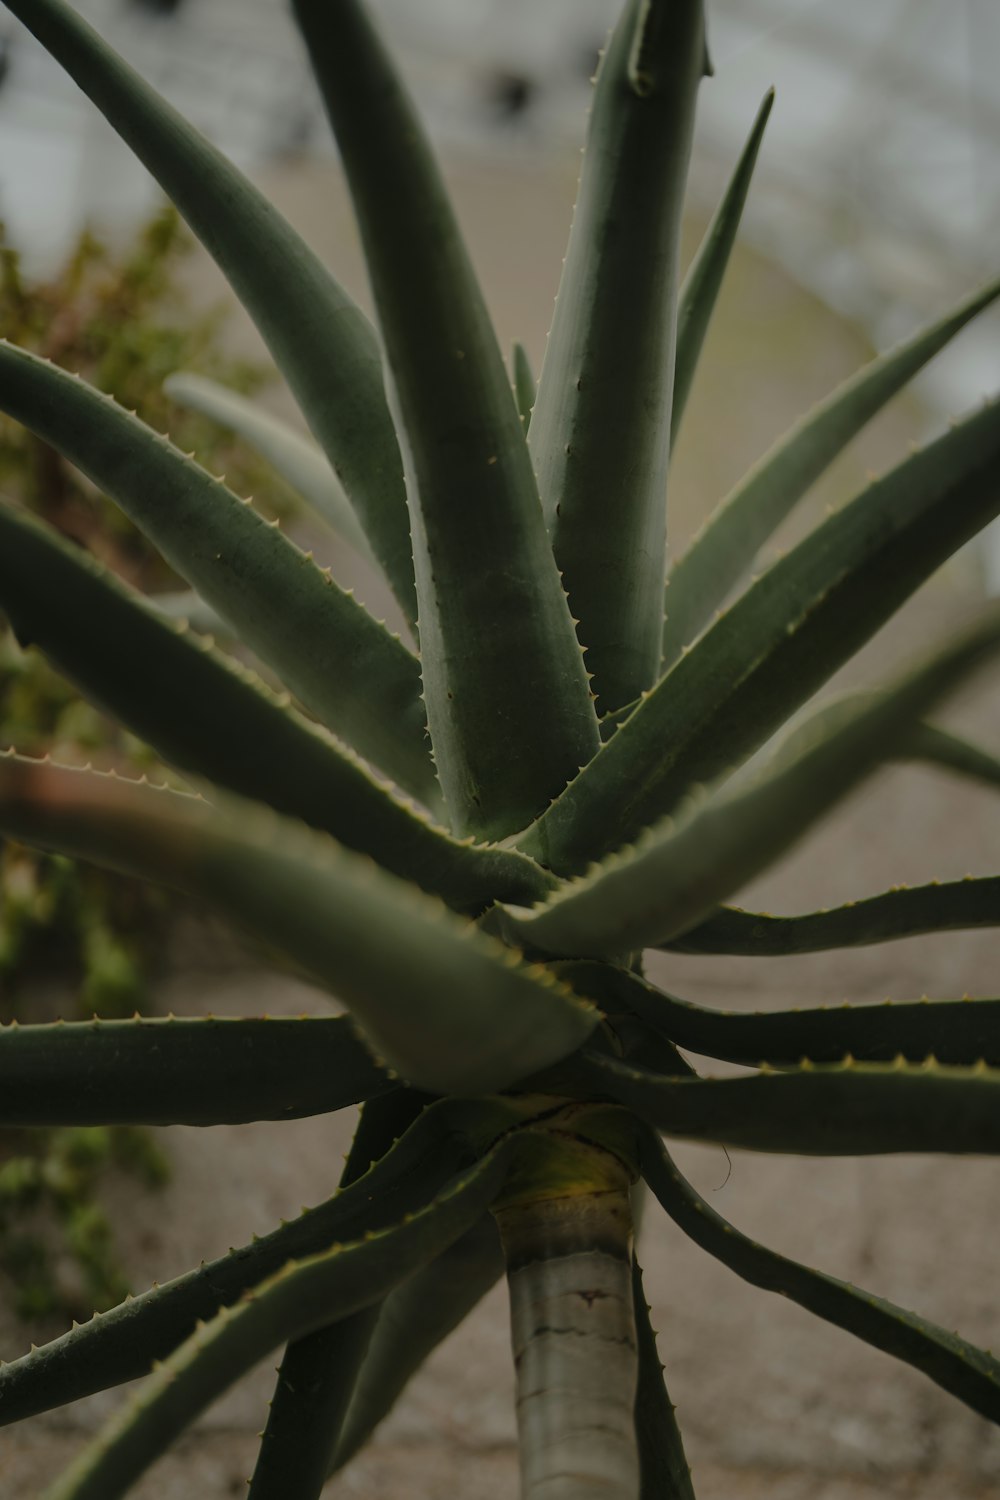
{"type": "Point", "coordinates": [59, 1183]}
{"type": "Point", "coordinates": [120, 320]}
{"type": "Point", "coordinates": [484, 919]}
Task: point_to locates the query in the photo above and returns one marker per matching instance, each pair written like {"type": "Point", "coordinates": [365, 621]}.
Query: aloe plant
{"type": "Point", "coordinates": [472, 846]}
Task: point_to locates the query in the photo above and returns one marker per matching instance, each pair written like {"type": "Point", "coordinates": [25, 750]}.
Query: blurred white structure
{"type": "Point", "coordinates": [878, 184]}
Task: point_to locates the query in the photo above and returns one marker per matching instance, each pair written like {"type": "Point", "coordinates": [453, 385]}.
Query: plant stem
{"type": "Point", "coordinates": [574, 1342]}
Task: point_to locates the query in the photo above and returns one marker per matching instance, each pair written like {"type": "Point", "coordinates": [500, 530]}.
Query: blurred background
{"type": "Point", "coordinates": [875, 206]}
{"type": "Point", "coordinates": [876, 200]}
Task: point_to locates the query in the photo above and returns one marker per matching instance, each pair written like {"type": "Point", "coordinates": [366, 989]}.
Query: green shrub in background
{"type": "Point", "coordinates": [56, 1241]}
{"type": "Point", "coordinates": [121, 319]}
{"type": "Point", "coordinates": [563, 780]}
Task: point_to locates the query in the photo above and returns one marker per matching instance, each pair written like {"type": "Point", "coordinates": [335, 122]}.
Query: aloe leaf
{"type": "Point", "coordinates": [443, 1004]}
{"type": "Point", "coordinates": [184, 605]}
{"type": "Point", "coordinates": [525, 389]}
{"type": "Point", "coordinates": [849, 1109]}
{"type": "Point", "coordinates": [778, 643]}
{"type": "Point", "coordinates": [663, 1466]}
{"type": "Point", "coordinates": [203, 713]}
{"type": "Point", "coordinates": [319, 338]}
{"type": "Point", "coordinates": [211, 718]}
{"type": "Point", "coordinates": [682, 868]}
{"type": "Point", "coordinates": [120, 1344]}
{"type": "Point", "coordinates": [726, 545]}
{"type": "Point", "coordinates": [297, 1299]}
{"type": "Point", "coordinates": [664, 1470]}
{"type": "Point", "coordinates": [318, 1372]}
{"type": "Point", "coordinates": [299, 461]}
{"type": "Point", "coordinates": [600, 433]}
{"type": "Point", "coordinates": [961, 1032]}
{"type": "Point", "coordinates": [182, 1072]}
{"type": "Point", "coordinates": [413, 1320]}
{"type": "Point", "coordinates": [905, 911]}
{"type": "Point", "coordinates": [315, 1382]}
{"type": "Point", "coordinates": [937, 746]}
{"type": "Point", "coordinates": [924, 742]}
{"type": "Point", "coordinates": [703, 281]}
{"type": "Point", "coordinates": [931, 744]}
{"type": "Point", "coordinates": [969, 1373]}
{"type": "Point", "coordinates": [509, 709]}
{"type": "Point", "coordinates": [342, 664]}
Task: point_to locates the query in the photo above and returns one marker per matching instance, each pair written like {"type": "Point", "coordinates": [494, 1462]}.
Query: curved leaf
{"type": "Point", "coordinates": [509, 709]}
{"type": "Point", "coordinates": [961, 1032]}
{"type": "Point", "coordinates": [937, 746]}
{"type": "Point", "coordinates": [679, 871]}
{"type": "Point", "coordinates": [121, 1344]}
{"type": "Point", "coordinates": [663, 1466]}
{"type": "Point", "coordinates": [297, 1299]}
{"type": "Point", "coordinates": [924, 742]}
{"type": "Point", "coordinates": [315, 1383]}
{"type": "Point", "coordinates": [209, 717]}
{"type": "Point", "coordinates": [448, 1007]}
{"type": "Point", "coordinates": [299, 460]}
{"type": "Point", "coordinates": [703, 281]}
{"type": "Point", "coordinates": [525, 389]}
{"type": "Point", "coordinates": [182, 1072]}
{"type": "Point", "coordinates": [971, 1374]}
{"type": "Point", "coordinates": [778, 643]}
{"type": "Point", "coordinates": [600, 433]}
{"type": "Point", "coordinates": [184, 605]}
{"type": "Point", "coordinates": [344, 666]}
{"type": "Point", "coordinates": [728, 542]}
{"type": "Point", "coordinates": [905, 911]}
{"type": "Point", "coordinates": [853, 1109]}
{"type": "Point", "coordinates": [318, 1372]}
{"type": "Point", "coordinates": [412, 1321]}
{"type": "Point", "coordinates": [319, 338]}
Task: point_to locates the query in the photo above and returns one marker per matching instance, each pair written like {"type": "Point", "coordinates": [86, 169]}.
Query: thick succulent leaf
{"type": "Point", "coordinates": [905, 911]}
{"type": "Point", "coordinates": [302, 1296]}
{"type": "Point", "coordinates": [299, 460]}
{"type": "Point", "coordinates": [969, 1373]}
{"type": "Point", "coordinates": [600, 433]}
{"type": "Point", "coordinates": [961, 1032]}
{"type": "Point", "coordinates": [314, 1386]}
{"type": "Point", "coordinates": [413, 1320]}
{"type": "Point", "coordinates": [778, 643]}
{"type": "Point", "coordinates": [341, 663]}
{"type": "Point", "coordinates": [445, 1005]}
{"type": "Point", "coordinates": [318, 337]}
{"type": "Point", "coordinates": [924, 742]}
{"type": "Point", "coordinates": [726, 546]}
{"type": "Point", "coordinates": [937, 746]}
{"type": "Point", "coordinates": [318, 1372]}
{"type": "Point", "coordinates": [510, 713]}
{"type": "Point", "coordinates": [122, 1343]}
{"type": "Point", "coordinates": [663, 1466]}
{"type": "Point", "coordinates": [525, 389]}
{"type": "Point", "coordinates": [851, 1109]}
{"type": "Point", "coordinates": [675, 876]}
{"type": "Point", "coordinates": [185, 605]}
{"type": "Point", "coordinates": [209, 717]}
{"type": "Point", "coordinates": [931, 744]}
{"type": "Point", "coordinates": [182, 1072]}
{"type": "Point", "coordinates": [635, 1040]}
{"type": "Point", "coordinates": [703, 281]}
